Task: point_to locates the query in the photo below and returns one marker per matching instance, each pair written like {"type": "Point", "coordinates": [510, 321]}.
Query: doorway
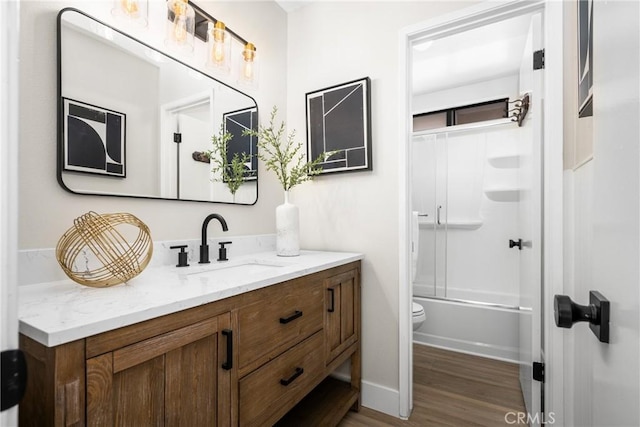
{"type": "Point", "coordinates": [192, 120]}
{"type": "Point", "coordinates": [525, 280]}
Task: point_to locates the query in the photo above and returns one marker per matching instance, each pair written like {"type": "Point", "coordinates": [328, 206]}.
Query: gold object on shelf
{"type": "Point", "coordinates": [95, 239]}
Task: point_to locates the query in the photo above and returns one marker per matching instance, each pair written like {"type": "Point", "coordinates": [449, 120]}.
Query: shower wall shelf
{"type": "Point", "coordinates": [503, 194]}
{"type": "Point", "coordinates": [505, 162]}
{"type": "Point", "coordinates": [455, 224]}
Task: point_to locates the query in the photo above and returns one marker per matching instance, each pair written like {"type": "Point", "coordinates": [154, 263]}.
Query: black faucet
{"type": "Point", "coordinates": [204, 248]}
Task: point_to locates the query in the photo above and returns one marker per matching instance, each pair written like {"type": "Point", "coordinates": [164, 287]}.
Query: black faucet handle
{"type": "Point", "coordinates": [222, 251]}
{"type": "Point", "coordinates": [182, 255]}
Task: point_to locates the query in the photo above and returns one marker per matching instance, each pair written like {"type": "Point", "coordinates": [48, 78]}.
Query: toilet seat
{"type": "Point", "coordinates": [418, 316]}
{"type": "Point", "coordinates": [417, 310]}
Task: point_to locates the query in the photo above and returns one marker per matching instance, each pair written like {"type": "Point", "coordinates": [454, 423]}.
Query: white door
{"type": "Point", "coordinates": [196, 128]}
{"type": "Point", "coordinates": [9, 18]}
{"type": "Point", "coordinates": [605, 378]}
{"type": "Point", "coordinates": [530, 221]}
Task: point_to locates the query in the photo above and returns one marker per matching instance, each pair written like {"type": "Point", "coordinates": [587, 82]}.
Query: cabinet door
{"type": "Point", "coordinates": [174, 379]}
{"type": "Point", "coordinates": [341, 312]}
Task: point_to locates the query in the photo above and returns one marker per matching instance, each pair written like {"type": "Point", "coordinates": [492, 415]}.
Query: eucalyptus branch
{"type": "Point", "coordinates": [284, 157]}
{"type": "Point", "coordinates": [231, 173]}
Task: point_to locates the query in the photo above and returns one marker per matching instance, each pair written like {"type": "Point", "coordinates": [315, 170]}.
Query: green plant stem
{"type": "Point", "coordinates": [283, 157]}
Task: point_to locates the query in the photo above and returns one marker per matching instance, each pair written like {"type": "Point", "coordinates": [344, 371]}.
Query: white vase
{"type": "Point", "coordinates": [287, 228]}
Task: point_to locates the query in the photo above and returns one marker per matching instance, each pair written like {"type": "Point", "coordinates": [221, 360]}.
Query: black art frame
{"type": "Point", "coordinates": [94, 139]}
{"type": "Point", "coordinates": [235, 122]}
{"type": "Point", "coordinates": [339, 118]}
{"type": "Point", "coordinates": [585, 58]}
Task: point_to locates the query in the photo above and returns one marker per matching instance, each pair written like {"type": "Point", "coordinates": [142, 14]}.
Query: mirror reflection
{"type": "Point", "coordinates": [135, 122]}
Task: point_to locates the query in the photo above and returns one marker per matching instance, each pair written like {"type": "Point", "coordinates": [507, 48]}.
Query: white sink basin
{"type": "Point", "coordinates": [231, 269]}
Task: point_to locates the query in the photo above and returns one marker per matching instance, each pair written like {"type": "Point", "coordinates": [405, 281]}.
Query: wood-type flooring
{"type": "Point", "coordinates": [454, 389]}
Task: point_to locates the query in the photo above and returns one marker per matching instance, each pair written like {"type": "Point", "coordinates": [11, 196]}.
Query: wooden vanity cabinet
{"type": "Point", "coordinates": [166, 371]}
{"type": "Point", "coordinates": [342, 313]}
{"type": "Point", "coordinates": [258, 358]}
{"type": "Point", "coordinates": [174, 379]}
{"type": "Point", "coordinates": [331, 399]}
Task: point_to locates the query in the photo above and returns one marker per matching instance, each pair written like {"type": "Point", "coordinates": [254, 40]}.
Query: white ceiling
{"type": "Point", "coordinates": [473, 56]}
{"type": "Point", "coordinates": [290, 6]}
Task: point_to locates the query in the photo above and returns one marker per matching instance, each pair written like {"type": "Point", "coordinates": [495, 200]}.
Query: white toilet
{"type": "Point", "coordinates": [418, 315]}
{"type": "Point", "coordinates": [417, 310]}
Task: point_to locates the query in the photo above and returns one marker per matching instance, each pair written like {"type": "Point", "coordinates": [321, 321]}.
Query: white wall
{"type": "Point", "coordinates": [46, 210]}
{"type": "Point", "coordinates": [332, 43]}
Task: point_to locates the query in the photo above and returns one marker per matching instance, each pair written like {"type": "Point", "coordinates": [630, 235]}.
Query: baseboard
{"type": "Point", "coordinates": [381, 399]}
{"type": "Point", "coordinates": [492, 351]}
{"type": "Point", "coordinates": [376, 397]}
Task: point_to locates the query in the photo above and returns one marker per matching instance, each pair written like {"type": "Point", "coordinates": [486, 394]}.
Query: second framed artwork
{"type": "Point", "coordinates": [235, 123]}
{"type": "Point", "coordinates": [339, 119]}
{"type": "Point", "coordinates": [94, 139]}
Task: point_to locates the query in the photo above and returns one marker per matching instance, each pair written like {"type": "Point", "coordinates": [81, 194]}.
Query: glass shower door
{"type": "Point", "coordinates": [482, 215]}
{"type": "Point", "coordinates": [429, 236]}
{"type": "Point", "coordinates": [465, 193]}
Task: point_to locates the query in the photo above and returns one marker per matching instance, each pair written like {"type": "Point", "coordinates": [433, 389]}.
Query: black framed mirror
{"type": "Point", "coordinates": [136, 122]}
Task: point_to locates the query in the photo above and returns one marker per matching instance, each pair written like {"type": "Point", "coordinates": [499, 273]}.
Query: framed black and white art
{"type": "Point", "coordinates": [585, 58]}
{"type": "Point", "coordinates": [339, 119]}
{"type": "Point", "coordinates": [93, 139]}
{"type": "Point", "coordinates": [235, 123]}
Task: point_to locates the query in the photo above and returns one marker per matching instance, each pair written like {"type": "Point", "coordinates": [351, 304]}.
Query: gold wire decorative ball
{"type": "Point", "coordinates": [102, 250]}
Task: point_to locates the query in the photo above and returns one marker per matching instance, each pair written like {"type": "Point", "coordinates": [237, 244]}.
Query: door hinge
{"type": "Point", "coordinates": [538, 371]}
{"type": "Point", "coordinates": [177, 138]}
{"type": "Point", "coordinates": [538, 59]}
{"type": "Point", "coordinates": [14, 378]}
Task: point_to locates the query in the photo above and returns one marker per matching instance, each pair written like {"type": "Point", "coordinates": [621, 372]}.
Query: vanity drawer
{"type": "Point", "coordinates": [269, 392]}
{"type": "Point", "coordinates": [281, 317]}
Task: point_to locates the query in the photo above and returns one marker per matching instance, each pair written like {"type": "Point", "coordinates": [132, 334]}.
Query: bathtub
{"type": "Point", "coordinates": [482, 329]}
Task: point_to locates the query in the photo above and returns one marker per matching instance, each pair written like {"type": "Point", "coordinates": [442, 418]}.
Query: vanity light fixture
{"type": "Point", "coordinates": [218, 38]}
{"type": "Point", "coordinates": [218, 46]}
{"type": "Point", "coordinates": [131, 11]}
{"type": "Point", "coordinates": [180, 26]}
{"type": "Point", "coordinates": [249, 65]}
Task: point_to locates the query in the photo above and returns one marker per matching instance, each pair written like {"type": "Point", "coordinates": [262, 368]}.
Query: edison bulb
{"type": "Point", "coordinates": [247, 70]}
{"type": "Point", "coordinates": [130, 7]}
{"type": "Point", "coordinates": [180, 29]}
{"type": "Point", "coordinates": [217, 38]}
{"type": "Point", "coordinates": [218, 52]}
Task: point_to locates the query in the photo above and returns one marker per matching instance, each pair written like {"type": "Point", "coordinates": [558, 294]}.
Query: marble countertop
{"type": "Point", "coordinates": [55, 313]}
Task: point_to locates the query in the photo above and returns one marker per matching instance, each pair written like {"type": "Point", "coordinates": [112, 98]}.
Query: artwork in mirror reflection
{"type": "Point", "coordinates": [237, 123]}
{"type": "Point", "coordinates": [172, 111]}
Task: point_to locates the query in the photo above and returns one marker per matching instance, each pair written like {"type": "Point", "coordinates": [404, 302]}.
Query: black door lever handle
{"type": "Point", "coordinates": [515, 243]}
{"type": "Point", "coordinates": [567, 312]}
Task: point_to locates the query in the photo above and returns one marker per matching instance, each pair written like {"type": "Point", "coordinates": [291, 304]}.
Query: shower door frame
{"type": "Point", "coordinates": [441, 186]}
{"type": "Point", "coordinates": [552, 258]}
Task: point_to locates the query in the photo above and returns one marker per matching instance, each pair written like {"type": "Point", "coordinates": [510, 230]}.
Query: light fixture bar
{"type": "Point", "coordinates": [202, 20]}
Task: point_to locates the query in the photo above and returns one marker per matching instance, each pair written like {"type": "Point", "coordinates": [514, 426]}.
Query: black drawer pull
{"type": "Point", "coordinates": [229, 363]}
{"type": "Point", "coordinates": [297, 373]}
{"type": "Point", "coordinates": [332, 308]}
{"type": "Point", "coordinates": [294, 316]}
